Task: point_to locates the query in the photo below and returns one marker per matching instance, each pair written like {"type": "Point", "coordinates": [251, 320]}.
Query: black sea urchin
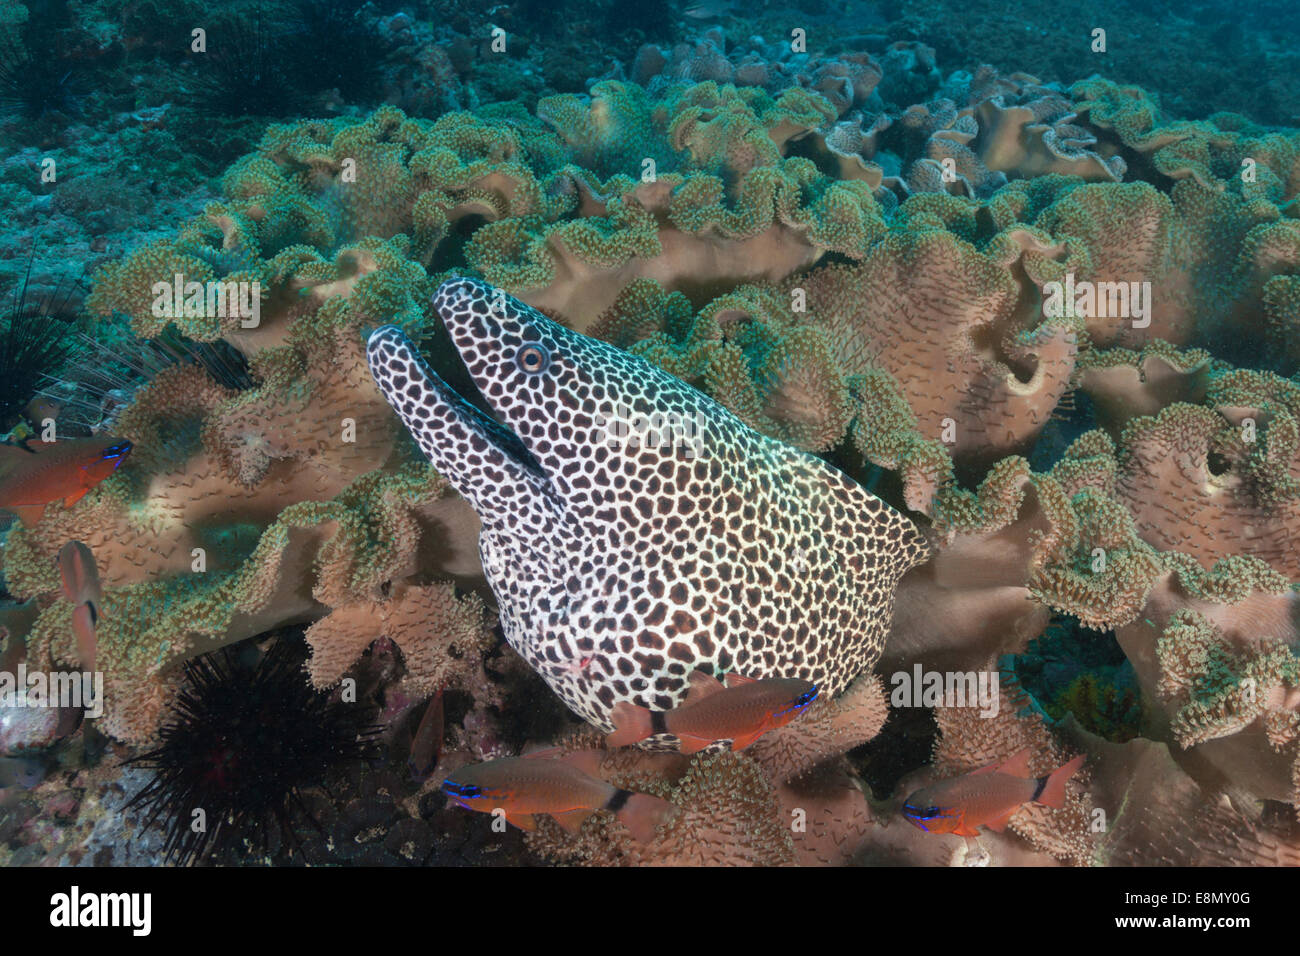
{"type": "Point", "coordinates": [34, 85]}
{"type": "Point", "coordinates": [246, 740]}
{"type": "Point", "coordinates": [332, 44]}
{"type": "Point", "coordinates": [35, 340]}
{"type": "Point", "coordinates": [107, 369]}
{"type": "Point", "coordinates": [244, 72]}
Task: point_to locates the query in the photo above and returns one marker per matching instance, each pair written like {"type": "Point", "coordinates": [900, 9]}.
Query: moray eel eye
{"type": "Point", "coordinates": [532, 359]}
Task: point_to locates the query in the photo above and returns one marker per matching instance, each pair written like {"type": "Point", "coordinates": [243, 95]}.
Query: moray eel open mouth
{"type": "Point", "coordinates": [468, 400]}
{"type": "Point", "coordinates": [463, 404]}
{"type": "Point", "coordinates": [422, 397]}
{"type": "Point", "coordinates": [634, 530]}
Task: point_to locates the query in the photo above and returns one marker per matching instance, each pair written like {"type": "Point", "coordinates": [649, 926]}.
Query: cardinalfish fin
{"type": "Point", "coordinates": [736, 680]}
{"type": "Point", "coordinates": [572, 820]}
{"type": "Point", "coordinates": [523, 821]}
{"type": "Point", "coordinates": [691, 745]}
{"type": "Point", "coordinates": [586, 761]}
{"type": "Point", "coordinates": [1051, 789]}
{"type": "Point", "coordinates": [640, 813]}
{"type": "Point", "coordinates": [542, 751]}
{"type": "Point", "coordinates": [631, 724]}
{"type": "Point", "coordinates": [16, 452]}
{"type": "Point", "coordinates": [1017, 765]}
{"type": "Point", "coordinates": [744, 740]}
{"type": "Point", "coordinates": [426, 745]}
{"type": "Point", "coordinates": [29, 515]}
{"type": "Point", "coordinates": [702, 685]}
{"type": "Point", "coordinates": [998, 824]}
{"type": "Point", "coordinates": [76, 496]}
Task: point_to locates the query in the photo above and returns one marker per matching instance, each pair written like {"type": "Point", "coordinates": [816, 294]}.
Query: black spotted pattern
{"type": "Point", "coordinates": [620, 567]}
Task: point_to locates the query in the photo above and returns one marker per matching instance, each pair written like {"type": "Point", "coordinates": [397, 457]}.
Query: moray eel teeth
{"type": "Point", "coordinates": [633, 528]}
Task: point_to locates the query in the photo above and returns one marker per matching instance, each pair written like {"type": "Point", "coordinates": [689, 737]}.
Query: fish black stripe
{"type": "Point", "coordinates": [1042, 785]}
{"type": "Point", "coordinates": [618, 801]}
{"type": "Point", "coordinates": [659, 722]}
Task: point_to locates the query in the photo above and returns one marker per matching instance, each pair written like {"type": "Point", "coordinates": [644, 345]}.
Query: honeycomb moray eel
{"type": "Point", "coordinates": [633, 528]}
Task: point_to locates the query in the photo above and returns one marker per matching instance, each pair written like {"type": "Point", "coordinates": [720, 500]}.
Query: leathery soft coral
{"type": "Point", "coordinates": [737, 809]}
{"type": "Point", "coordinates": [247, 509]}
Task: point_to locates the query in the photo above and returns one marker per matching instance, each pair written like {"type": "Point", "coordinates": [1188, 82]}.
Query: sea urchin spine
{"type": "Point", "coordinates": [245, 741]}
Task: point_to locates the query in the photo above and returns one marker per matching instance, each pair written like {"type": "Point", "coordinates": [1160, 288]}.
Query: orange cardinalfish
{"type": "Point", "coordinates": [566, 788]}
{"type": "Point", "coordinates": [37, 474]}
{"type": "Point", "coordinates": [987, 797]}
{"type": "Point", "coordinates": [80, 582]}
{"type": "Point", "coordinates": [742, 712]}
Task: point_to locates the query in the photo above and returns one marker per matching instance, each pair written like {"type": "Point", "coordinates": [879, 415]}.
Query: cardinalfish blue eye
{"type": "Point", "coordinates": [921, 816]}
{"type": "Point", "coordinates": [805, 699]}
{"type": "Point", "coordinates": [466, 791]}
{"type": "Point", "coordinates": [533, 359]}
{"type": "Point", "coordinates": [797, 705]}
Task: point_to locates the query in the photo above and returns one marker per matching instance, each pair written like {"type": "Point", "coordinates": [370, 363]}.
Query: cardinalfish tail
{"type": "Point", "coordinates": [640, 812]}
{"type": "Point", "coordinates": [79, 578]}
{"type": "Point", "coordinates": [83, 628]}
{"type": "Point", "coordinates": [633, 724]}
{"type": "Point", "coordinates": [1051, 789]}
{"type": "Point", "coordinates": [426, 745]}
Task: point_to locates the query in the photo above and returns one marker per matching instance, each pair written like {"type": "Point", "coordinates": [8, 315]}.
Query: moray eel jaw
{"type": "Point", "coordinates": [483, 461]}
{"type": "Point", "coordinates": [635, 530]}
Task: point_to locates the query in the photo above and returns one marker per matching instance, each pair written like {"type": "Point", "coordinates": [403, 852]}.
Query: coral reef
{"type": "Point", "coordinates": [1043, 315]}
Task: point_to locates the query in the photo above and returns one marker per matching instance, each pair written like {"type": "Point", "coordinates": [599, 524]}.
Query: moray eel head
{"type": "Point", "coordinates": [635, 530]}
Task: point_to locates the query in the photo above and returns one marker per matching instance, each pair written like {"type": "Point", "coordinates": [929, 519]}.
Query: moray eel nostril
{"type": "Point", "coordinates": [635, 530]}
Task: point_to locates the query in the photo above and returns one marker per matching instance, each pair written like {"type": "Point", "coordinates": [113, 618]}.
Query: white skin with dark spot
{"type": "Point", "coordinates": [620, 568]}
